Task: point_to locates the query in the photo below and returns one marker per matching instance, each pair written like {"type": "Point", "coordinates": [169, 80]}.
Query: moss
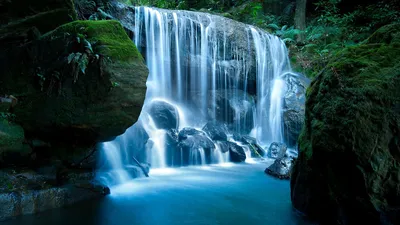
{"type": "Point", "coordinates": [11, 136]}
{"type": "Point", "coordinates": [109, 37]}
{"type": "Point", "coordinates": [351, 118]}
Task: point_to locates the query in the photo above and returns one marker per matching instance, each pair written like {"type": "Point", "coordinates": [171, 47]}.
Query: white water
{"type": "Point", "coordinates": [189, 56]}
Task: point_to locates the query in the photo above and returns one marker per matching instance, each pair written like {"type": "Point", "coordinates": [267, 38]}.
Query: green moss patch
{"type": "Point", "coordinates": [108, 36]}
{"type": "Point", "coordinates": [11, 136]}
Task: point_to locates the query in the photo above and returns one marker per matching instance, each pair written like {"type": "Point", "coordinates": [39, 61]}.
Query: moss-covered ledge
{"type": "Point", "coordinates": [77, 104]}
{"type": "Point", "coordinates": [107, 35]}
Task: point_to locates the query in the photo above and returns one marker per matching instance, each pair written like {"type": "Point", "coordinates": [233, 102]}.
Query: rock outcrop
{"type": "Point", "coordinates": [348, 170]}
{"type": "Point", "coordinates": [64, 86]}
{"type": "Point", "coordinates": [294, 106]}
{"type": "Point", "coordinates": [27, 192]}
{"type": "Point", "coordinates": [90, 86]}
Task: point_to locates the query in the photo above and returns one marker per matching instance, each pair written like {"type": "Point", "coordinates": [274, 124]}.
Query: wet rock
{"type": "Point", "coordinates": [281, 168]}
{"type": "Point", "coordinates": [277, 150]}
{"type": "Point", "coordinates": [188, 131]}
{"type": "Point", "coordinates": [141, 140]}
{"type": "Point", "coordinates": [164, 115]}
{"type": "Point", "coordinates": [28, 192]}
{"type": "Point", "coordinates": [232, 107]}
{"type": "Point", "coordinates": [294, 106]}
{"type": "Point", "coordinates": [236, 152]}
{"type": "Point", "coordinates": [256, 150]}
{"type": "Point", "coordinates": [216, 131]}
{"type": "Point", "coordinates": [224, 146]}
{"type": "Point", "coordinates": [196, 141]}
{"type": "Point", "coordinates": [194, 148]}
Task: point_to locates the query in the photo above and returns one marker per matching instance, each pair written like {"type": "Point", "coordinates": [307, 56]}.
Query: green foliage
{"type": "Point", "coordinates": [330, 31]}
{"type": "Point", "coordinates": [287, 34]}
{"type": "Point", "coordinates": [7, 116]}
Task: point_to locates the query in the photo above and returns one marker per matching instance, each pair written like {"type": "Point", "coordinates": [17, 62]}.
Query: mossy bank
{"type": "Point", "coordinates": [348, 171]}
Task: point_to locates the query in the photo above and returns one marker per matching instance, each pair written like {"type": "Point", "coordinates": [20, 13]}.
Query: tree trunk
{"type": "Point", "coordinates": [300, 18]}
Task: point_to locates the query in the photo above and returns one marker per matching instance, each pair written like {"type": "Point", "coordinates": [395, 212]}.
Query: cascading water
{"type": "Point", "coordinates": [206, 68]}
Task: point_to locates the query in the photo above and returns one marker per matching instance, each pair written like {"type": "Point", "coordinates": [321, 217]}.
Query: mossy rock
{"type": "Point", "coordinates": [348, 170]}
{"type": "Point", "coordinates": [97, 105]}
{"type": "Point", "coordinates": [12, 148]}
{"type": "Point", "coordinates": [107, 35]}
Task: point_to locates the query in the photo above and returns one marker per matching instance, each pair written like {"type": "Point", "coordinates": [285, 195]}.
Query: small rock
{"type": "Point", "coordinates": [277, 150]}
{"type": "Point", "coordinates": [280, 168]}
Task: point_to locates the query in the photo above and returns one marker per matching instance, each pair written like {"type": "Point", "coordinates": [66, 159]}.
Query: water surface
{"type": "Point", "coordinates": [222, 195]}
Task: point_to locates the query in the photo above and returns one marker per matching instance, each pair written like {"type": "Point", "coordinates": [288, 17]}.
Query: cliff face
{"type": "Point", "coordinates": [348, 171]}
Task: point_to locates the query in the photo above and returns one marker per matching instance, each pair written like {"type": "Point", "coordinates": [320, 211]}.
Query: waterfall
{"type": "Point", "coordinates": [206, 68]}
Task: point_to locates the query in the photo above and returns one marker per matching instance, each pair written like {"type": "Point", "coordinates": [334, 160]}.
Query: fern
{"type": "Point", "coordinates": [273, 26]}
{"type": "Point", "coordinates": [83, 63]}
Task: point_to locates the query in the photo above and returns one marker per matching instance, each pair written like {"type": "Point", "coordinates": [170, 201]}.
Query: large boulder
{"type": "Point", "coordinates": [164, 115]}
{"type": "Point", "coordinates": [294, 106]}
{"type": "Point", "coordinates": [348, 170]}
{"type": "Point", "coordinates": [89, 84]}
